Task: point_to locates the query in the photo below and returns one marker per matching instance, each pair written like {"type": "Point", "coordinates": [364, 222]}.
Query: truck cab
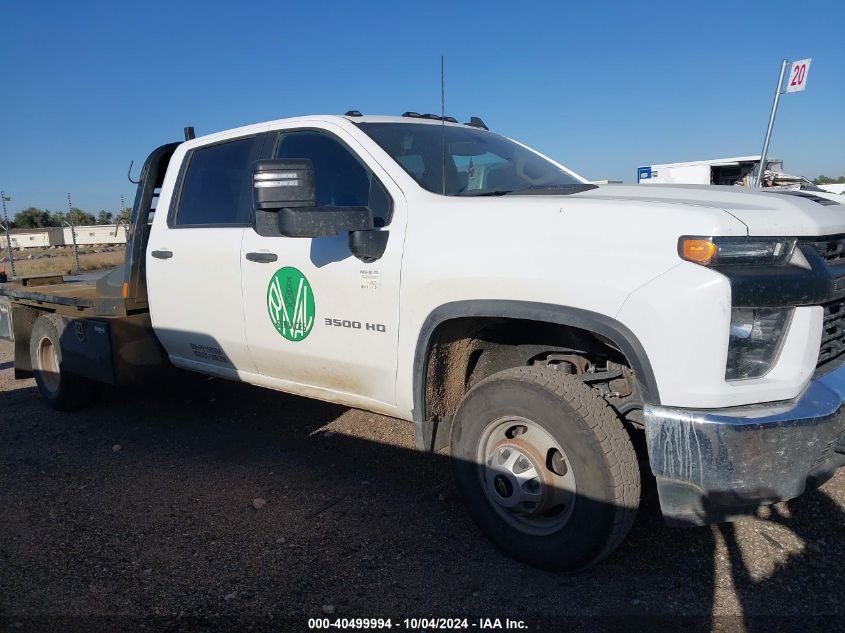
{"type": "Point", "coordinates": [535, 325]}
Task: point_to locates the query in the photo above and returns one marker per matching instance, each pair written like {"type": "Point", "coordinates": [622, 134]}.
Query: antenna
{"type": "Point", "coordinates": [443, 120]}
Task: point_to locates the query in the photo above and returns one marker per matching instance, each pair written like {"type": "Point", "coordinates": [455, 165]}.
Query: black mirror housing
{"type": "Point", "coordinates": [368, 246]}
{"type": "Point", "coordinates": [281, 183]}
{"type": "Point", "coordinates": [323, 221]}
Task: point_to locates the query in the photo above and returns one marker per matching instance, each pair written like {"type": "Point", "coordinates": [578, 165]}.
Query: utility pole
{"type": "Point", "coordinates": [128, 222]}
{"type": "Point", "coordinates": [69, 222]}
{"type": "Point", "coordinates": [121, 220]}
{"type": "Point", "coordinates": [7, 227]}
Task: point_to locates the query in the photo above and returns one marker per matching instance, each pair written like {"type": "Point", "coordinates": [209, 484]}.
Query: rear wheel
{"type": "Point", "coordinates": [64, 391]}
{"type": "Point", "coordinates": [546, 468]}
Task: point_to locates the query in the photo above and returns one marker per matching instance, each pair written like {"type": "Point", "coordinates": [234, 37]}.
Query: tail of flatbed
{"type": "Point", "coordinates": [102, 316]}
{"type": "Point", "coordinates": [122, 291]}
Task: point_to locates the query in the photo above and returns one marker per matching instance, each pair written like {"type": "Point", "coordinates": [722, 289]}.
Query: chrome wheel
{"type": "Point", "coordinates": [526, 475]}
{"type": "Point", "coordinates": [48, 364]}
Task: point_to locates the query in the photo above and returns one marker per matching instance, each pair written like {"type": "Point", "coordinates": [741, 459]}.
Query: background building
{"type": "Point", "coordinates": [98, 234]}
{"type": "Point", "coordinates": [36, 238]}
{"type": "Point", "coordinates": [102, 234]}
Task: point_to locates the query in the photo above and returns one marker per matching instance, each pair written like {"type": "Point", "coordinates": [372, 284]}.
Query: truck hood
{"type": "Point", "coordinates": [763, 212]}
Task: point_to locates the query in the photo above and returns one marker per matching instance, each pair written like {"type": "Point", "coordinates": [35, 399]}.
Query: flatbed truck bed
{"type": "Point", "coordinates": [104, 324]}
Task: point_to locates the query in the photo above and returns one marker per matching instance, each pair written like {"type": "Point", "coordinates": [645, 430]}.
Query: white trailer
{"type": "Point", "coordinates": [36, 238]}
{"type": "Point", "coordinates": [717, 171]}
{"type": "Point", "coordinates": [98, 234]}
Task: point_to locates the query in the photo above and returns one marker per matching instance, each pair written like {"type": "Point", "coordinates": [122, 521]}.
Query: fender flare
{"type": "Point", "coordinates": [606, 326]}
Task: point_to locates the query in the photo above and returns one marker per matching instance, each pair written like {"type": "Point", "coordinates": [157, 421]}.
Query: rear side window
{"type": "Point", "coordinates": [217, 187]}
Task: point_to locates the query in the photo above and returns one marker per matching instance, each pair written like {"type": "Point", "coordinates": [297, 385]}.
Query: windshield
{"type": "Point", "coordinates": [476, 162]}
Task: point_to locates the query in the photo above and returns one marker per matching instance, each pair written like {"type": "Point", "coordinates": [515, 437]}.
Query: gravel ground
{"type": "Point", "coordinates": [199, 504]}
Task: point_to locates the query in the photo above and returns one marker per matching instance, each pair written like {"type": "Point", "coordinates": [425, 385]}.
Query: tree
{"type": "Point", "coordinates": [827, 180]}
{"type": "Point", "coordinates": [104, 217]}
{"type": "Point", "coordinates": [125, 215]}
{"type": "Point", "coordinates": [78, 217]}
{"type": "Point", "coordinates": [82, 218]}
{"type": "Point", "coordinates": [33, 218]}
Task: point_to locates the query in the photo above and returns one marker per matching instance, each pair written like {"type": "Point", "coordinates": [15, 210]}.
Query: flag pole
{"type": "Point", "coordinates": [762, 166]}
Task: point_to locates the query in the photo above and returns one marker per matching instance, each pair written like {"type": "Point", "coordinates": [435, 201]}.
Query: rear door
{"type": "Point", "coordinates": [194, 258]}
{"type": "Point", "coordinates": [319, 321]}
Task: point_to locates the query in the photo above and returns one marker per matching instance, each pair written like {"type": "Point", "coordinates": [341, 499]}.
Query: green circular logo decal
{"type": "Point", "coordinates": [290, 303]}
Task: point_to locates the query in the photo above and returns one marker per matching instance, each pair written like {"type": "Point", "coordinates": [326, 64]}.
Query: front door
{"type": "Point", "coordinates": [318, 320]}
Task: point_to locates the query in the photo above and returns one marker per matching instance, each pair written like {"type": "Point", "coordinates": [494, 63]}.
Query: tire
{"type": "Point", "coordinates": [582, 502]}
{"type": "Point", "coordinates": [61, 389]}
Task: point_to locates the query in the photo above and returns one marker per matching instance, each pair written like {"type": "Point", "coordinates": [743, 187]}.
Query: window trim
{"type": "Point", "coordinates": [283, 131]}
{"type": "Point", "coordinates": [176, 199]}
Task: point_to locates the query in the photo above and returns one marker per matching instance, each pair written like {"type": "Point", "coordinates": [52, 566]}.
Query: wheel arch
{"type": "Point", "coordinates": [593, 322]}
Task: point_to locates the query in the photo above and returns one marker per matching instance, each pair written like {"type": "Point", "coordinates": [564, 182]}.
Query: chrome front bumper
{"type": "Point", "coordinates": [717, 464]}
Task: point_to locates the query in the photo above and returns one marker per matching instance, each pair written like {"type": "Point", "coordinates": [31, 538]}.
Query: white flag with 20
{"type": "Point", "coordinates": [797, 79]}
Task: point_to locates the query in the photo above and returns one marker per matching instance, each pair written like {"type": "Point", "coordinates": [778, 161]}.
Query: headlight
{"type": "Point", "coordinates": [755, 339]}
{"type": "Point", "coordinates": [737, 251]}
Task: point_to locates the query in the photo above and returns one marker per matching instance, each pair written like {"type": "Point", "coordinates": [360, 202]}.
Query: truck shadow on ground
{"type": "Point", "coordinates": [207, 505]}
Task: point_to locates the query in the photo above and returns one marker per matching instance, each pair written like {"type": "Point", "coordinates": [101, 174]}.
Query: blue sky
{"type": "Point", "coordinates": [602, 87]}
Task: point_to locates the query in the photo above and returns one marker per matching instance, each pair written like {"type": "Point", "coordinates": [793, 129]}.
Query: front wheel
{"type": "Point", "coordinates": [545, 467]}
{"type": "Point", "coordinates": [63, 390]}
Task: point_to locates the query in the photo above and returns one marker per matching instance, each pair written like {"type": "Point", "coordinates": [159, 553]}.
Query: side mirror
{"type": "Point", "coordinates": [323, 221]}
{"type": "Point", "coordinates": [286, 187]}
{"type": "Point", "coordinates": [277, 184]}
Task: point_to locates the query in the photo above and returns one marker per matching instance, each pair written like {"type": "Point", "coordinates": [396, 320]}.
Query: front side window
{"type": "Point", "coordinates": [460, 161]}
{"type": "Point", "coordinates": [217, 187]}
{"type": "Point", "coordinates": [340, 179]}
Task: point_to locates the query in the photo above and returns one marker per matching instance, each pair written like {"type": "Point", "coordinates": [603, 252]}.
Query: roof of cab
{"type": "Point", "coordinates": [379, 118]}
{"type": "Point", "coordinates": [326, 118]}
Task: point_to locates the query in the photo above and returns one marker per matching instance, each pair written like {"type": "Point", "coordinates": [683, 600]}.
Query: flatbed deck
{"type": "Point", "coordinates": [76, 294]}
{"type": "Point", "coordinates": [71, 298]}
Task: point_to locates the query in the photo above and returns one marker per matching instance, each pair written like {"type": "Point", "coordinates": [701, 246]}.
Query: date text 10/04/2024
{"type": "Point", "coordinates": [414, 624]}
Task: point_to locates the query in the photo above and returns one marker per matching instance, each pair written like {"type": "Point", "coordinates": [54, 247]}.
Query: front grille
{"type": "Point", "coordinates": [831, 248]}
{"type": "Point", "coordinates": [833, 331]}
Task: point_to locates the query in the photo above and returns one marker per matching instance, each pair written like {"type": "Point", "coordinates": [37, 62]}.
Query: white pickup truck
{"type": "Point", "coordinates": [534, 324]}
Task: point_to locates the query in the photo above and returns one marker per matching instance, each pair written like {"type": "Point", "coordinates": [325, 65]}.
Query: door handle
{"type": "Point", "coordinates": [162, 254]}
{"type": "Point", "coordinates": [262, 258]}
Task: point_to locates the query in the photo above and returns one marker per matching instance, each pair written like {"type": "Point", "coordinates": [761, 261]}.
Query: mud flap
{"type": "Point", "coordinates": [6, 319]}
